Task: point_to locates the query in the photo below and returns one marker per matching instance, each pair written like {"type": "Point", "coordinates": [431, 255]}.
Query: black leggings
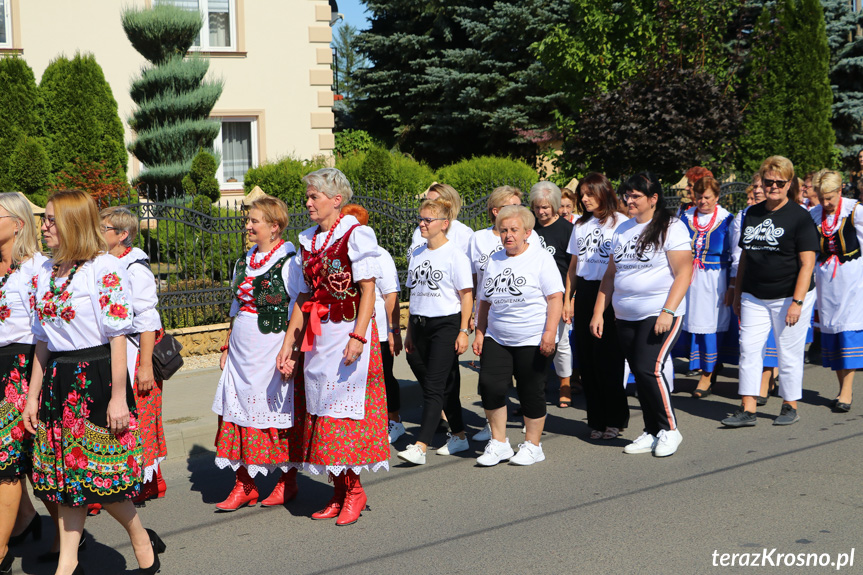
{"type": "Point", "coordinates": [647, 354]}
{"type": "Point", "coordinates": [498, 364]}
{"type": "Point", "coordinates": [435, 365]}
{"type": "Point", "coordinates": [394, 394]}
{"type": "Point", "coordinates": [600, 362]}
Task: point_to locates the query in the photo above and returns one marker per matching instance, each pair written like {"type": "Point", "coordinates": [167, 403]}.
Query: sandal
{"type": "Point", "coordinates": [702, 393]}
{"type": "Point", "coordinates": [611, 433]}
{"type": "Point", "coordinates": [565, 396]}
{"type": "Point", "coordinates": [596, 434]}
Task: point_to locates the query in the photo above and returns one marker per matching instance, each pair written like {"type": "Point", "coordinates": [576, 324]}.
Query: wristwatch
{"type": "Point", "coordinates": [798, 302]}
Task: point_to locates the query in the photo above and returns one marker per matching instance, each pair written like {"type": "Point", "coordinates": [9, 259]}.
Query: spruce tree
{"type": "Point", "coordinates": [846, 77]}
{"type": "Point", "coordinates": [20, 112]}
{"type": "Point", "coordinates": [173, 98]}
{"type": "Point", "coordinates": [81, 117]}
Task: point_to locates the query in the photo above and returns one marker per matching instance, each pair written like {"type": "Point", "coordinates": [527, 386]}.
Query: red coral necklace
{"type": "Point", "coordinates": [258, 265]}
{"type": "Point", "coordinates": [329, 236]}
{"type": "Point", "coordinates": [125, 253]}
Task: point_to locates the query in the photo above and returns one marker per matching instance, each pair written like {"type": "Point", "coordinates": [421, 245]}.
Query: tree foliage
{"type": "Point", "coordinates": [173, 98]}
{"type": "Point", "coordinates": [20, 112]}
{"type": "Point", "coordinates": [451, 79]}
{"type": "Point", "coordinates": [30, 170]}
{"type": "Point", "coordinates": [282, 178]}
{"type": "Point", "coordinates": [81, 118]}
{"type": "Point", "coordinates": [201, 179]}
{"type": "Point", "coordinates": [846, 76]}
{"type": "Point", "coordinates": [661, 120]}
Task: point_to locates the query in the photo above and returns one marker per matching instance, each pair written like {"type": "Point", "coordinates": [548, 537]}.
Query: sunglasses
{"type": "Point", "coordinates": [778, 183]}
{"type": "Point", "coordinates": [428, 221]}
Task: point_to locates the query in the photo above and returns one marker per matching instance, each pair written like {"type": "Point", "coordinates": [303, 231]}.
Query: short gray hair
{"type": "Point", "coordinates": [124, 220]}
{"type": "Point", "coordinates": [512, 212]}
{"type": "Point", "coordinates": [330, 182]}
{"type": "Point", "coordinates": [545, 190]}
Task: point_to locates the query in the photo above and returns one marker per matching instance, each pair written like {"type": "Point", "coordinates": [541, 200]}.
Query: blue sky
{"type": "Point", "coordinates": [354, 12]}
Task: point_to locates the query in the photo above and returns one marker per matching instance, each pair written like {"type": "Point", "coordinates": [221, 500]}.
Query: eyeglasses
{"type": "Point", "coordinates": [428, 221]}
{"type": "Point", "coordinates": [49, 221]}
{"type": "Point", "coordinates": [777, 183]}
{"type": "Point", "coordinates": [1, 217]}
{"type": "Point", "coordinates": [633, 197]}
{"type": "Point", "coordinates": [106, 228]}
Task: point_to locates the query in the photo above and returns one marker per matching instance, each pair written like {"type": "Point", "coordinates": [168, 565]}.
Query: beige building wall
{"type": "Point", "coordinates": [279, 72]}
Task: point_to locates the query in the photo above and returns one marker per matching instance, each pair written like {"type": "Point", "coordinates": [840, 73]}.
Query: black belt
{"type": "Point", "coordinates": [78, 355]}
{"type": "Point", "coordinates": [17, 348]}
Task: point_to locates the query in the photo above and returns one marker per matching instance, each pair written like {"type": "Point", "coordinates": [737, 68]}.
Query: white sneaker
{"type": "Point", "coordinates": [495, 452]}
{"type": "Point", "coordinates": [643, 444]}
{"type": "Point", "coordinates": [667, 443]}
{"type": "Point", "coordinates": [453, 445]}
{"type": "Point", "coordinates": [528, 454]}
{"type": "Point", "coordinates": [484, 434]}
{"type": "Point", "coordinates": [395, 429]}
{"type": "Point", "coordinates": [413, 454]}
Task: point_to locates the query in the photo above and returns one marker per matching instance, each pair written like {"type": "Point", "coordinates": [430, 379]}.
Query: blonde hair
{"type": "Point", "coordinates": [827, 181]}
{"type": "Point", "coordinates": [330, 182]}
{"type": "Point", "coordinates": [124, 221]}
{"type": "Point", "coordinates": [274, 210]}
{"type": "Point", "coordinates": [448, 193]}
{"type": "Point", "coordinates": [77, 221]}
{"type": "Point", "coordinates": [513, 212]}
{"type": "Point", "coordinates": [779, 164]}
{"type": "Point", "coordinates": [26, 242]}
{"type": "Point", "coordinates": [440, 208]}
{"type": "Point", "coordinates": [498, 196]}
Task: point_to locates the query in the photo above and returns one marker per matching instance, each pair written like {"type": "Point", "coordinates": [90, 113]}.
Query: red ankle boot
{"type": "Point", "coordinates": [355, 500]}
{"type": "Point", "coordinates": [161, 486]}
{"type": "Point", "coordinates": [285, 490]}
{"type": "Point", "coordinates": [245, 492]}
{"type": "Point", "coordinates": [333, 508]}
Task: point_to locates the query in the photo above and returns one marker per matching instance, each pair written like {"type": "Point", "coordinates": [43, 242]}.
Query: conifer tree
{"type": "Point", "coordinates": [20, 111]}
{"type": "Point", "coordinates": [846, 76]}
{"type": "Point", "coordinates": [173, 99]}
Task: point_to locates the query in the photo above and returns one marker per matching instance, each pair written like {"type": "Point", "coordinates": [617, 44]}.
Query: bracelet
{"type": "Point", "coordinates": [396, 329]}
{"type": "Point", "coordinates": [224, 348]}
{"type": "Point", "coordinates": [358, 337]}
{"type": "Point", "coordinates": [668, 311]}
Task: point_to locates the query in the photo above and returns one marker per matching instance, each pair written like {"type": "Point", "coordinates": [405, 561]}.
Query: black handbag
{"type": "Point", "coordinates": [166, 357]}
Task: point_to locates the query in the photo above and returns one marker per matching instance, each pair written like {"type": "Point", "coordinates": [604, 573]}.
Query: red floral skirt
{"type": "Point", "coordinates": [16, 444]}
{"type": "Point", "coordinates": [338, 445]}
{"type": "Point", "coordinates": [152, 434]}
{"type": "Point", "coordinates": [264, 450]}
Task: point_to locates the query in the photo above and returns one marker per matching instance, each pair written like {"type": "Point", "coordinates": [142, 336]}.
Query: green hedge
{"type": "Point", "coordinates": [379, 169]}
{"type": "Point", "coordinates": [282, 178]}
{"type": "Point", "coordinates": [479, 175]}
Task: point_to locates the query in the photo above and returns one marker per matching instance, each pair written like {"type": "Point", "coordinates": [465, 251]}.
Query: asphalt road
{"type": "Point", "coordinates": [588, 508]}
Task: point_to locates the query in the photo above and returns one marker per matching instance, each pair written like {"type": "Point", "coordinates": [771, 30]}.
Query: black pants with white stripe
{"type": "Point", "coordinates": [647, 353]}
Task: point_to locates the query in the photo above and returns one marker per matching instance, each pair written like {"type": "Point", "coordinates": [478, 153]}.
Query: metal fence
{"type": "Point", "coordinates": [193, 245]}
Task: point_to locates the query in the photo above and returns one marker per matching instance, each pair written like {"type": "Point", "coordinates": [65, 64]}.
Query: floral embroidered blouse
{"type": "Point", "coordinates": [93, 308]}
{"type": "Point", "coordinates": [15, 313]}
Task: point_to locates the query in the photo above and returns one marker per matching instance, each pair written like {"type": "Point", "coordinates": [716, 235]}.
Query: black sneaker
{"type": "Point", "coordinates": [787, 416]}
{"type": "Point", "coordinates": [740, 418]}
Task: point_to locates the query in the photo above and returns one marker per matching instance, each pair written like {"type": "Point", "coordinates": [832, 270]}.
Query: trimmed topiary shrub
{"type": "Point", "coordinates": [479, 175]}
{"type": "Point", "coordinates": [282, 178]}
{"type": "Point", "coordinates": [30, 170]}
{"type": "Point", "coordinates": [20, 112]}
{"type": "Point", "coordinates": [377, 171]}
{"type": "Point", "coordinates": [352, 141]}
{"type": "Point", "coordinates": [404, 176]}
{"type": "Point", "coordinates": [201, 179]}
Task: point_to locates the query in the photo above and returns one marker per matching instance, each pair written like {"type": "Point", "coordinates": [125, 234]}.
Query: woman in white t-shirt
{"type": "Point", "coordinates": [520, 307]}
{"type": "Point", "coordinates": [440, 306]}
{"type": "Point", "coordinates": [602, 359]}
{"type": "Point", "coordinates": [648, 276]}
{"type": "Point", "coordinates": [458, 233]}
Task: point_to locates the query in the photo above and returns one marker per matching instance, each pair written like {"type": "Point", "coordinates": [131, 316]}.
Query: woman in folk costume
{"type": "Point", "coordinates": [120, 227]}
{"type": "Point", "coordinates": [260, 412]}
{"type": "Point", "coordinates": [839, 282]}
{"type": "Point", "coordinates": [707, 314]}
{"type": "Point", "coordinates": [346, 420]}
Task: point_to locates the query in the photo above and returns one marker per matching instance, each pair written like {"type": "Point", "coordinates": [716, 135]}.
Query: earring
{"type": "Point", "coordinates": [272, 238]}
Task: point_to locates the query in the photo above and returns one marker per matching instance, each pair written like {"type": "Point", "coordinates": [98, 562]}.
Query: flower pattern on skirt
{"type": "Point", "coordinates": [150, 427]}
{"type": "Point", "coordinates": [16, 443]}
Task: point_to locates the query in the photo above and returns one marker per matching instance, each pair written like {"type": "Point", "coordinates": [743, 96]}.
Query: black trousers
{"type": "Point", "coordinates": [435, 365]}
{"type": "Point", "coordinates": [497, 366]}
{"type": "Point", "coordinates": [647, 354]}
{"type": "Point", "coordinates": [394, 393]}
{"type": "Point", "coordinates": [600, 362]}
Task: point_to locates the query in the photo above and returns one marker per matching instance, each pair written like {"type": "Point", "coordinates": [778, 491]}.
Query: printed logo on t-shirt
{"type": "Point", "coordinates": [425, 275]}
{"type": "Point", "coordinates": [483, 259]}
{"type": "Point", "coordinates": [505, 283]}
{"type": "Point", "coordinates": [594, 244]}
{"type": "Point", "coordinates": [549, 249]}
{"type": "Point", "coordinates": [766, 232]}
{"type": "Point", "coordinates": [626, 256]}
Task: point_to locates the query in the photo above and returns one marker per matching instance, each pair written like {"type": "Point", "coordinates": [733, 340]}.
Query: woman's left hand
{"type": "Point", "coordinates": [118, 416]}
{"type": "Point", "coordinates": [663, 323]}
{"type": "Point", "coordinates": [461, 343]}
{"type": "Point", "coordinates": [145, 379]}
{"type": "Point", "coordinates": [546, 345]}
{"type": "Point", "coordinates": [793, 315]}
{"type": "Point", "coordinates": [353, 351]}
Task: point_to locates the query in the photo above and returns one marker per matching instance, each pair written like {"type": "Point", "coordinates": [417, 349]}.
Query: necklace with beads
{"type": "Point", "coordinates": [316, 252]}
{"type": "Point", "coordinates": [8, 273]}
{"type": "Point", "coordinates": [125, 253]}
{"type": "Point", "coordinates": [53, 290]}
{"type": "Point", "coordinates": [258, 265]}
{"type": "Point", "coordinates": [828, 230]}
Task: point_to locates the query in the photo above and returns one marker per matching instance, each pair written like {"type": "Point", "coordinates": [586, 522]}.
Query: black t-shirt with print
{"type": "Point", "coordinates": [555, 240]}
{"type": "Point", "coordinates": [772, 242]}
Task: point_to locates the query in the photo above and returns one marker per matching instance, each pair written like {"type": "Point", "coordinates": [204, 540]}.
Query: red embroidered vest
{"type": "Point", "coordinates": [331, 281]}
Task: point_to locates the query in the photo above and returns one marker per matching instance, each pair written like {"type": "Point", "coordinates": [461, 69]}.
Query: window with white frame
{"type": "Point", "coordinates": [238, 145]}
{"type": "Point", "coordinates": [219, 32]}
{"type": "Point", "coordinates": [5, 25]}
